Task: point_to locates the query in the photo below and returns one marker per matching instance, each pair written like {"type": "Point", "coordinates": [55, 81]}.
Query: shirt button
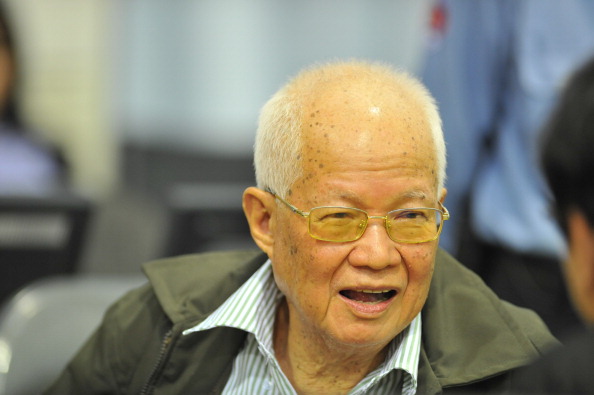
{"type": "Point", "coordinates": [267, 387]}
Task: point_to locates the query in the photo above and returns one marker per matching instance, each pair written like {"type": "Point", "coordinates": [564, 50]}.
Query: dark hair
{"type": "Point", "coordinates": [568, 146]}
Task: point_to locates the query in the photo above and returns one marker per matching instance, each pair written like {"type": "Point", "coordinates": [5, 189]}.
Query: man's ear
{"type": "Point", "coordinates": [442, 195]}
{"type": "Point", "coordinates": [258, 206]}
{"type": "Point", "coordinates": [580, 266]}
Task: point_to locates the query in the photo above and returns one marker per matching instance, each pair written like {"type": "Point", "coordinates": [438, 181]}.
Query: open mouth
{"type": "Point", "coordinates": [368, 296]}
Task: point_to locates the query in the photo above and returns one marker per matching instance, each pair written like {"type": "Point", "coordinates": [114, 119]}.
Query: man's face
{"type": "Point", "coordinates": [375, 153]}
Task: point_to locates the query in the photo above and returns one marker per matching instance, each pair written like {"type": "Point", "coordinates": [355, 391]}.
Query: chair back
{"type": "Point", "coordinates": [43, 325]}
{"type": "Point", "coordinates": [40, 236]}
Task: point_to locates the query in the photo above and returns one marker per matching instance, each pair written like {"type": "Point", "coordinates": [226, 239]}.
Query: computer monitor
{"type": "Point", "coordinates": [206, 216]}
{"type": "Point", "coordinates": [39, 236]}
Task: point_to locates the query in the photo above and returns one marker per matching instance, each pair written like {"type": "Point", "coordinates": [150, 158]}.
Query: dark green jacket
{"type": "Point", "coordinates": [471, 339]}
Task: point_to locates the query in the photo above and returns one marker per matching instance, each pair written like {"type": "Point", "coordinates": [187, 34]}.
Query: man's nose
{"type": "Point", "coordinates": [375, 249]}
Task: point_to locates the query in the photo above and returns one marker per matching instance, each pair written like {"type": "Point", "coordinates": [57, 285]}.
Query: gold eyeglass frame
{"type": "Point", "coordinates": [444, 212]}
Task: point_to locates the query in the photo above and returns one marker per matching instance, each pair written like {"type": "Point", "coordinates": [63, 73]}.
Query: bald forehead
{"type": "Point", "coordinates": [360, 107]}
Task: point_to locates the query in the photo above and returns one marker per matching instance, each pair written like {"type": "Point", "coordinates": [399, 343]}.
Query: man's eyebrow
{"type": "Point", "coordinates": [415, 195]}
{"type": "Point", "coordinates": [408, 195]}
{"type": "Point", "coordinates": [348, 196]}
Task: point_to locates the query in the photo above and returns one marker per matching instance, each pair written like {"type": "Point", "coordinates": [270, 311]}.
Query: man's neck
{"type": "Point", "coordinates": [313, 365]}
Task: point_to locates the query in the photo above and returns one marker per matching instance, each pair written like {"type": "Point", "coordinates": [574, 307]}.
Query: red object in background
{"type": "Point", "coordinates": [439, 18]}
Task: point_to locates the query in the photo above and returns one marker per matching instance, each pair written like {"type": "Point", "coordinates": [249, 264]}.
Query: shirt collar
{"type": "Point", "coordinates": [252, 309]}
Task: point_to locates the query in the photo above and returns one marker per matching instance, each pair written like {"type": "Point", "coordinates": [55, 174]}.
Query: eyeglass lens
{"type": "Point", "coordinates": [348, 224]}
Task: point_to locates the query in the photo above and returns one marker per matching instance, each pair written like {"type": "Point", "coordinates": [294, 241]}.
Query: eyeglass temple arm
{"type": "Point", "coordinates": [446, 213]}
{"type": "Point", "coordinates": [289, 205]}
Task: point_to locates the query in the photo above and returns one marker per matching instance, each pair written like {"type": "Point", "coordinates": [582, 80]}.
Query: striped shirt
{"type": "Point", "coordinates": [252, 308]}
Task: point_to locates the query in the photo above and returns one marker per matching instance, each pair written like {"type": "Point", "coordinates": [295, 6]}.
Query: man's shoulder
{"type": "Point", "coordinates": [131, 338]}
{"type": "Point", "coordinates": [566, 370]}
{"type": "Point", "coordinates": [457, 289]}
{"type": "Point", "coordinates": [462, 315]}
{"type": "Point", "coordinates": [452, 280]}
{"type": "Point", "coordinates": [192, 286]}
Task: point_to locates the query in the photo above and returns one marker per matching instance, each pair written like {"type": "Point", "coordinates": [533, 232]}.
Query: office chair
{"type": "Point", "coordinates": [43, 325]}
{"type": "Point", "coordinates": [40, 236]}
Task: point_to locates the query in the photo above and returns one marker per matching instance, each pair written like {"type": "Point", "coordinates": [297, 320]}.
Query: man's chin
{"type": "Point", "coordinates": [363, 335]}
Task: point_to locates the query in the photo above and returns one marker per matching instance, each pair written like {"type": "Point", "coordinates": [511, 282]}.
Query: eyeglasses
{"type": "Point", "coordinates": [343, 224]}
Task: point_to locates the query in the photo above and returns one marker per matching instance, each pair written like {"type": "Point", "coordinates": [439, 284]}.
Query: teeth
{"type": "Point", "coordinates": [369, 291]}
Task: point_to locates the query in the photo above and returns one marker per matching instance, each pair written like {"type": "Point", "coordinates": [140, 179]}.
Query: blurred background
{"type": "Point", "coordinates": [149, 100]}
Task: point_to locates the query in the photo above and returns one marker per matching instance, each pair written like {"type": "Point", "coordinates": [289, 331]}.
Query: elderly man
{"type": "Point", "coordinates": [352, 294]}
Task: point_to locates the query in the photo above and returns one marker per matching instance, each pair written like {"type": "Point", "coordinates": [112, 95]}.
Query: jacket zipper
{"type": "Point", "coordinates": [149, 386]}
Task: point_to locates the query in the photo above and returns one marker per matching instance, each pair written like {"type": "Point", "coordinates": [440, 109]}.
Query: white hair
{"type": "Point", "coordinates": [277, 150]}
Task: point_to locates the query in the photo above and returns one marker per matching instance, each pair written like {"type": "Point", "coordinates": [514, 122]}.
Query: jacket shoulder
{"type": "Point", "coordinates": [532, 326]}
{"type": "Point", "coordinates": [181, 290]}
{"type": "Point", "coordinates": [463, 316]}
{"type": "Point", "coordinates": [116, 351]}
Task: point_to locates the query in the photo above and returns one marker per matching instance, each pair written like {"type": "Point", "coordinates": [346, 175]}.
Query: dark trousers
{"type": "Point", "coordinates": [531, 281]}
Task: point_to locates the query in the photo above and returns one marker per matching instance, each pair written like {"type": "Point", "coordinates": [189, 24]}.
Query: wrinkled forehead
{"type": "Point", "coordinates": [365, 119]}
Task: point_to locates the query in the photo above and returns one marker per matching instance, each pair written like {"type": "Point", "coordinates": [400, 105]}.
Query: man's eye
{"type": "Point", "coordinates": [337, 216]}
{"type": "Point", "coordinates": [410, 215]}
{"type": "Point", "coordinates": [340, 215]}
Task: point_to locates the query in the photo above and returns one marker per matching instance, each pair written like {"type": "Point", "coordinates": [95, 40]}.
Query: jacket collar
{"type": "Point", "coordinates": [219, 274]}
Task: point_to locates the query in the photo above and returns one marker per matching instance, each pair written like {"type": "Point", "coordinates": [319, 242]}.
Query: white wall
{"type": "Point", "coordinates": [195, 73]}
{"type": "Point", "coordinates": [187, 74]}
{"type": "Point", "coordinates": [65, 91]}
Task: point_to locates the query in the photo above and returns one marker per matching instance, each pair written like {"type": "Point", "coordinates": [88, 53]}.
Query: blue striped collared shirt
{"type": "Point", "coordinates": [252, 308]}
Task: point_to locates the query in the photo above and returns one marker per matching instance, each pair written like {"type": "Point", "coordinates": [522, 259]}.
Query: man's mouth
{"type": "Point", "coordinates": [368, 296]}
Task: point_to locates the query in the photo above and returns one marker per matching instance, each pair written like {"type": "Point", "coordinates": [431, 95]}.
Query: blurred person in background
{"type": "Point", "coordinates": [568, 166]}
{"type": "Point", "coordinates": [495, 68]}
{"type": "Point", "coordinates": [28, 165]}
